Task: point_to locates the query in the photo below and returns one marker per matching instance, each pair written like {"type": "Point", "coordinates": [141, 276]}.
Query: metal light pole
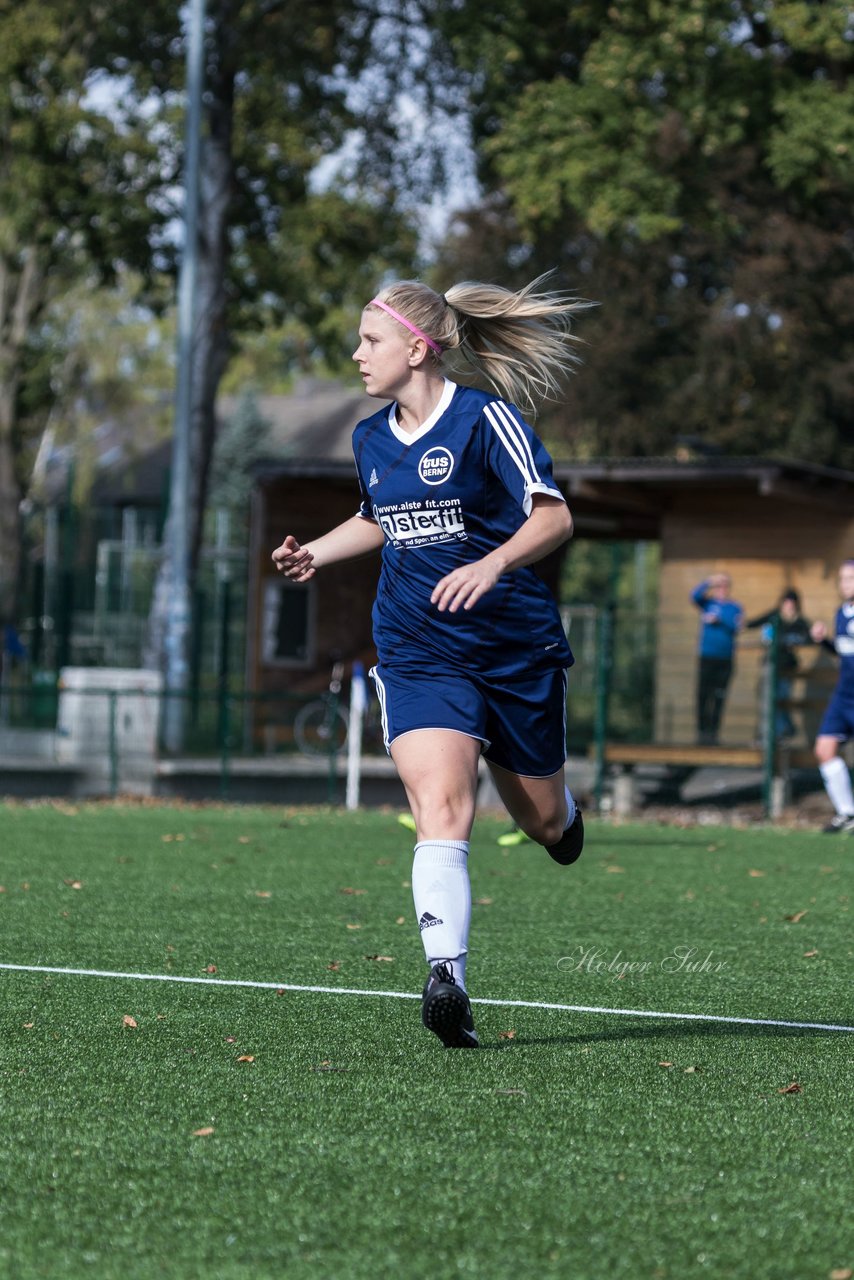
{"type": "Point", "coordinates": [178, 525]}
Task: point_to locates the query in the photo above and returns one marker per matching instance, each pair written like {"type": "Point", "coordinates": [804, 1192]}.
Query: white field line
{"type": "Point", "coordinates": [409, 995]}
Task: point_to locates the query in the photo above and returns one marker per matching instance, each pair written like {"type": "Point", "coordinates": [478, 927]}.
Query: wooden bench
{"type": "Point", "coordinates": [687, 756]}
{"type": "Point", "coordinates": [677, 753]}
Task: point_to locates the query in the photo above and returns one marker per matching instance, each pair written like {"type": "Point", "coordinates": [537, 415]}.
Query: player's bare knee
{"type": "Point", "coordinates": [441, 816]}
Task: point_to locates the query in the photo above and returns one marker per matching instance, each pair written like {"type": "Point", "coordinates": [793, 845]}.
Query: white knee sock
{"type": "Point", "coordinates": [442, 895]}
{"type": "Point", "coordinates": [837, 782]}
{"type": "Point", "coordinates": [570, 807]}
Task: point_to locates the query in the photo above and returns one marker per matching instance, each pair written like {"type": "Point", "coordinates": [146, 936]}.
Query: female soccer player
{"type": "Point", "coordinates": [837, 725]}
{"type": "Point", "coordinates": [458, 492]}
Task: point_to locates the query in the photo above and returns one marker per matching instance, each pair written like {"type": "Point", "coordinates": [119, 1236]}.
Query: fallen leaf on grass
{"type": "Point", "coordinates": [29, 1025]}
{"type": "Point", "coordinates": [688, 1070]}
{"type": "Point", "coordinates": [841, 1273]}
{"type": "Point", "coordinates": [507, 1035]}
{"type": "Point", "coordinates": [210, 968]}
{"type": "Point", "coordinates": [204, 1133]}
{"type": "Point", "coordinates": [483, 902]}
{"type": "Point", "coordinates": [508, 1093]}
{"type": "Point", "coordinates": [74, 884]}
{"type": "Point", "coordinates": [354, 926]}
{"type": "Point", "coordinates": [756, 873]}
{"type": "Point", "coordinates": [263, 893]}
{"type": "Point", "coordinates": [797, 917]}
{"type": "Point", "coordinates": [128, 1021]}
{"type": "Point", "coordinates": [231, 1039]}
{"type": "Point", "coordinates": [615, 870]}
{"type": "Point", "coordinates": [326, 1065]}
{"type": "Point", "coordinates": [665, 1064]}
{"type": "Point", "coordinates": [356, 893]}
{"type": "Point", "coordinates": [243, 839]}
{"type": "Point", "coordinates": [334, 967]}
{"type": "Point", "coordinates": [400, 920]}
{"type": "Point", "coordinates": [794, 1087]}
{"type": "Point", "coordinates": [386, 959]}
{"type": "Point", "coordinates": [809, 954]}
{"type": "Point", "coordinates": [246, 1057]}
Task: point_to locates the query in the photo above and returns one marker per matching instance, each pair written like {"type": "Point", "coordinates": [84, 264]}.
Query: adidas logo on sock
{"type": "Point", "coordinates": [427, 921]}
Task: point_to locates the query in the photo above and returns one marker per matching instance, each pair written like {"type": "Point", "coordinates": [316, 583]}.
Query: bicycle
{"type": "Point", "coordinates": [321, 727]}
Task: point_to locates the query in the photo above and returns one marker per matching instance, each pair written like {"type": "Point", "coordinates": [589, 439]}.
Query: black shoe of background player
{"type": "Point", "coordinates": [842, 824]}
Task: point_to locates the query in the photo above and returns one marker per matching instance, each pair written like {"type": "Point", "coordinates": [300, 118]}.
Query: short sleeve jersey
{"type": "Point", "coordinates": [444, 496]}
{"type": "Point", "coordinates": [844, 645]}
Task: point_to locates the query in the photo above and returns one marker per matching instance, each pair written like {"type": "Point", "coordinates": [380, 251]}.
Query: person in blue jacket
{"type": "Point", "coordinates": [721, 619]}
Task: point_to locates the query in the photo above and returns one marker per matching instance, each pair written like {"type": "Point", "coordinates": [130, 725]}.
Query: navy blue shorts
{"type": "Point", "coordinates": [838, 719]}
{"type": "Point", "coordinates": [521, 723]}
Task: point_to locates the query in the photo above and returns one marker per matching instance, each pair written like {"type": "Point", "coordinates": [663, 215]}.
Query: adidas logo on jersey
{"type": "Point", "coordinates": [374, 479]}
{"type": "Point", "coordinates": [427, 920]}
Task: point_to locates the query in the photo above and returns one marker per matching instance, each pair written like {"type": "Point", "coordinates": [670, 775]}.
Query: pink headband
{"type": "Point", "coordinates": [419, 333]}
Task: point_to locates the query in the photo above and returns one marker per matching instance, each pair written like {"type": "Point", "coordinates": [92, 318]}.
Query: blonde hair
{"type": "Point", "coordinates": [520, 342]}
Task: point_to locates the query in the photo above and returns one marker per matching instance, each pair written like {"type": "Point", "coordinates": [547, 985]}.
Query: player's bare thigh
{"type": "Point", "coordinates": [438, 768]}
{"type": "Point", "coordinates": [536, 805]}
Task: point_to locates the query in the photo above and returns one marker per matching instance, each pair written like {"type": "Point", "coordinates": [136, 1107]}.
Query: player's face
{"type": "Point", "coordinates": [383, 355]}
{"type": "Point", "coordinates": [846, 582]}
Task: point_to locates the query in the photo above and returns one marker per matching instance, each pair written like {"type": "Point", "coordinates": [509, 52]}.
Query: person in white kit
{"type": "Point", "coordinates": [457, 490]}
{"type": "Point", "coordinates": [837, 724]}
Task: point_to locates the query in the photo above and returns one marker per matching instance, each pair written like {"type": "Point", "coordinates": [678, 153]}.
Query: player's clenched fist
{"type": "Point", "coordinates": [293, 560]}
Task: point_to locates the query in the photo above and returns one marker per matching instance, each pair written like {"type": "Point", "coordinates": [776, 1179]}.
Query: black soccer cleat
{"type": "Point", "coordinates": [569, 846]}
{"type": "Point", "coordinates": [446, 1009]}
{"type": "Point", "coordinates": [842, 824]}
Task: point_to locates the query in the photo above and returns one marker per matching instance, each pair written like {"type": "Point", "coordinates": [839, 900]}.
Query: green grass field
{"type": "Point", "coordinates": [229, 1132]}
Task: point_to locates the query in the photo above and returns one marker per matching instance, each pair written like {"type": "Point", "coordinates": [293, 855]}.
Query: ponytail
{"type": "Point", "coordinates": [520, 342]}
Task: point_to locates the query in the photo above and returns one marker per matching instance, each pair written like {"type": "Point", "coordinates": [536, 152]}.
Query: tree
{"type": "Point", "coordinates": [277, 80]}
{"type": "Point", "coordinates": [73, 187]}
{"type": "Point", "coordinates": [90, 125]}
{"type": "Point", "coordinates": [689, 165]}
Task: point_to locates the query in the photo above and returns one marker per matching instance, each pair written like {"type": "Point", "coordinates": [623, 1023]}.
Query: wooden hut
{"type": "Point", "coordinates": [772, 525]}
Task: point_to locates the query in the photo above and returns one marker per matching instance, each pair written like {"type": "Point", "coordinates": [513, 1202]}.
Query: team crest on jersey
{"type": "Point", "coordinates": [436, 465]}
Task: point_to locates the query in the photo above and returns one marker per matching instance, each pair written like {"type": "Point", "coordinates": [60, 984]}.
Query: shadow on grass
{"type": "Point", "coordinates": [667, 1030]}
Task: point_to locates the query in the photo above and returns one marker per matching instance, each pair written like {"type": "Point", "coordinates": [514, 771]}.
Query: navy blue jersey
{"type": "Point", "coordinates": [444, 496]}
{"type": "Point", "coordinates": [844, 645]}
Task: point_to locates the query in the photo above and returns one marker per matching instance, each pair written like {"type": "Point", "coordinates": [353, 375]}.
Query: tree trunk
{"type": "Point", "coordinates": [22, 279]}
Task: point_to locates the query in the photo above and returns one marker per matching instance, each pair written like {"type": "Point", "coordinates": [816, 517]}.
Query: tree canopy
{"type": "Point", "coordinates": [688, 165]}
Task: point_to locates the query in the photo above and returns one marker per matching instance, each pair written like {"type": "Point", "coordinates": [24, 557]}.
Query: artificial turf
{"type": "Point", "coordinates": [160, 1129]}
